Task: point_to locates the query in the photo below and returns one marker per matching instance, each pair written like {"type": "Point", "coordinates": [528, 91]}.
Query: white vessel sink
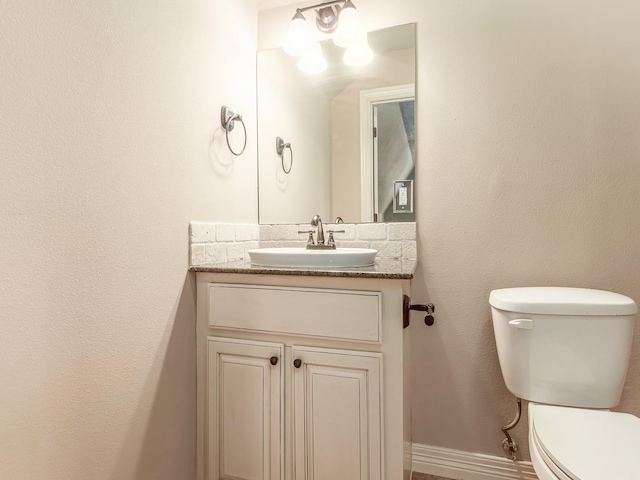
{"type": "Point", "coordinates": [301, 257]}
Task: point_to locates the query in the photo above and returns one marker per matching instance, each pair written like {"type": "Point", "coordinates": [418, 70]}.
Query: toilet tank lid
{"type": "Point", "coordinates": [562, 301]}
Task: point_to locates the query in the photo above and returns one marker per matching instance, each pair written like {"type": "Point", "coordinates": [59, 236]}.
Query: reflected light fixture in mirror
{"type": "Point", "coordinates": [359, 53]}
{"type": "Point", "coordinates": [330, 17]}
{"type": "Point", "coordinates": [313, 61]}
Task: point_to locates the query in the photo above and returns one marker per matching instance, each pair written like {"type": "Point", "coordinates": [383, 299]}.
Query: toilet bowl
{"type": "Point", "coordinates": [568, 443]}
{"type": "Point", "coordinates": [566, 351]}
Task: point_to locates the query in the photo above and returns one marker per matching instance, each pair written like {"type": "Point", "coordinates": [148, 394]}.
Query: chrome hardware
{"type": "Point", "coordinates": [319, 243]}
{"type": "Point", "coordinates": [327, 18]}
{"type": "Point", "coordinates": [339, 220]}
{"type": "Point", "coordinates": [509, 445]}
{"type": "Point", "coordinates": [330, 241]}
{"type": "Point", "coordinates": [280, 148]}
{"type": "Point", "coordinates": [297, 363]}
{"type": "Point", "coordinates": [430, 308]}
{"type": "Point", "coordinates": [327, 14]}
{"type": "Point", "coordinates": [228, 121]}
{"type": "Point", "coordinates": [510, 448]}
{"type": "Point", "coordinates": [310, 240]}
{"type": "Point", "coordinates": [316, 221]}
{"type": "Point", "coordinates": [274, 360]}
{"type": "Point", "coordinates": [522, 323]}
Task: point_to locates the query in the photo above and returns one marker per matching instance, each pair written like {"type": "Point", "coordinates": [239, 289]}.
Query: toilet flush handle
{"type": "Point", "coordinates": [523, 323]}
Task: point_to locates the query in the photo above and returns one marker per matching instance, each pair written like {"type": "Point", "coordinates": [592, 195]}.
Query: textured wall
{"type": "Point", "coordinates": [109, 146]}
{"type": "Point", "coordinates": [527, 172]}
{"type": "Point", "coordinates": [529, 121]}
{"type": "Point", "coordinates": [528, 145]}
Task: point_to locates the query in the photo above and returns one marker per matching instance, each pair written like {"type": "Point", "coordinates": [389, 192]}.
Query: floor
{"type": "Point", "coordinates": [425, 476]}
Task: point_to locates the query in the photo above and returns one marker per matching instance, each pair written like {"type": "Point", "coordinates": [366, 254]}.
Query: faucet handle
{"type": "Point", "coordinates": [310, 240]}
{"type": "Point", "coordinates": [331, 241]}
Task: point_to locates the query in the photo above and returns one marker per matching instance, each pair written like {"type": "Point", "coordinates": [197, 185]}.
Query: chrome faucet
{"type": "Point", "coordinates": [316, 221]}
{"type": "Point", "coordinates": [319, 243]}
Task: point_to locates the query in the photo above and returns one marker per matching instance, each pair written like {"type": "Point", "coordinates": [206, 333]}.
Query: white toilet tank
{"type": "Point", "coordinates": [563, 346]}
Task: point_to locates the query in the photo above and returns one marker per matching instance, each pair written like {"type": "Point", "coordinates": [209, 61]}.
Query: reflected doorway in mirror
{"type": "Point", "coordinates": [387, 147]}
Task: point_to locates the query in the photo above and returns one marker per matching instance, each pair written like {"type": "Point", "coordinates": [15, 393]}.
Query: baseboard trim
{"type": "Point", "coordinates": [445, 462]}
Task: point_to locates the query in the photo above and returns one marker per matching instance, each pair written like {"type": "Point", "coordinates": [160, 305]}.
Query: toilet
{"type": "Point", "coordinates": [566, 351]}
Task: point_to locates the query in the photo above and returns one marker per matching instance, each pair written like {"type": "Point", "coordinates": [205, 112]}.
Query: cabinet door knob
{"type": "Point", "coordinates": [297, 363]}
{"type": "Point", "coordinates": [274, 360]}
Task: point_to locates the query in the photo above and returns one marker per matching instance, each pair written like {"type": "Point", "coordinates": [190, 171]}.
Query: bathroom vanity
{"type": "Point", "coordinates": [302, 374]}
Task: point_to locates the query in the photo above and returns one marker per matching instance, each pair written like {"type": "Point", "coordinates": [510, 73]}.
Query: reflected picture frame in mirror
{"type": "Point", "coordinates": [353, 139]}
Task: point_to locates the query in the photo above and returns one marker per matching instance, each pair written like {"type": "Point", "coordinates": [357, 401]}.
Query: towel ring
{"type": "Point", "coordinates": [280, 148]}
{"type": "Point", "coordinates": [228, 120]}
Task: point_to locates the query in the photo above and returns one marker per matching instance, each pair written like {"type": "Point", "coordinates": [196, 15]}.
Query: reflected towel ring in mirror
{"type": "Point", "coordinates": [228, 121]}
{"type": "Point", "coordinates": [280, 148]}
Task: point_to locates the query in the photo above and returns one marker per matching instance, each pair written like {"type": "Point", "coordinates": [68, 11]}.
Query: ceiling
{"type": "Point", "coordinates": [269, 4]}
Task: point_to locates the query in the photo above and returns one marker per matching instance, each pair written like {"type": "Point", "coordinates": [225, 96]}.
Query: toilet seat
{"type": "Point", "coordinates": [544, 467]}
{"type": "Point", "coordinates": [584, 444]}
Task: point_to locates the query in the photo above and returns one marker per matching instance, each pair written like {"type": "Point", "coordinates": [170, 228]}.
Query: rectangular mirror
{"type": "Point", "coordinates": [345, 136]}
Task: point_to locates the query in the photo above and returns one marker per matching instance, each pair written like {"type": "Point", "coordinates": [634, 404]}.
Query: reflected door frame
{"type": "Point", "coordinates": [368, 175]}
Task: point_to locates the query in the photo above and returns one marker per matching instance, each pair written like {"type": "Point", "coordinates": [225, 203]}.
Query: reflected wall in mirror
{"type": "Point", "coordinates": [351, 132]}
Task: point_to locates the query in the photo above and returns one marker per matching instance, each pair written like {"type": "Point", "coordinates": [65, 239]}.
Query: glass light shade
{"type": "Point", "coordinates": [359, 54]}
{"type": "Point", "coordinates": [313, 61]}
{"type": "Point", "coordinates": [299, 40]}
{"type": "Point", "coordinates": [349, 27]}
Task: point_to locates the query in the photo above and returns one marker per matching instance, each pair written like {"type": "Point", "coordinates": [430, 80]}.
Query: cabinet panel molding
{"type": "Point", "coordinates": [337, 414]}
{"type": "Point", "coordinates": [245, 410]}
{"type": "Point", "coordinates": [338, 314]}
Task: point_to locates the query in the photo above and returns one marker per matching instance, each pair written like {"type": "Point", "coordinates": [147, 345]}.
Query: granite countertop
{"type": "Point", "coordinates": [383, 268]}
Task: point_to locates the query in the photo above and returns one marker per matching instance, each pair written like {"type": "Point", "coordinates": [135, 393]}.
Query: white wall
{"type": "Point", "coordinates": [528, 165]}
{"type": "Point", "coordinates": [109, 145]}
{"type": "Point", "coordinates": [528, 146]}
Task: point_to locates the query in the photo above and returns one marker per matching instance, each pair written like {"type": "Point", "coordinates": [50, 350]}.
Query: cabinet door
{"type": "Point", "coordinates": [244, 410]}
{"type": "Point", "coordinates": [337, 414]}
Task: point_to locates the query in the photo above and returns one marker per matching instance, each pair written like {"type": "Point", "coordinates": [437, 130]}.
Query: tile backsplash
{"type": "Point", "coordinates": [227, 242]}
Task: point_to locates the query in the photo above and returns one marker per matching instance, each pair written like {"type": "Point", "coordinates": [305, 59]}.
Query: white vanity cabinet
{"type": "Point", "coordinates": [301, 378]}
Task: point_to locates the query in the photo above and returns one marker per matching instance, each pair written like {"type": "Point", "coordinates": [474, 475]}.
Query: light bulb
{"type": "Point", "coordinates": [313, 61]}
{"type": "Point", "coordinates": [359, 54]}
{"type": "Point", "coordinates": [299, 39]}
{"type": "Point", "coordinates": [349, 27]}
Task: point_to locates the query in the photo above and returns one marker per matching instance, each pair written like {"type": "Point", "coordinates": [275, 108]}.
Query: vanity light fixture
{"type": "Point", "coordinates": [299, 39]}
{"type": "Point", "coordinates": [349, 29]}
{"type": "Point", "coordinates": [338, 16]}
